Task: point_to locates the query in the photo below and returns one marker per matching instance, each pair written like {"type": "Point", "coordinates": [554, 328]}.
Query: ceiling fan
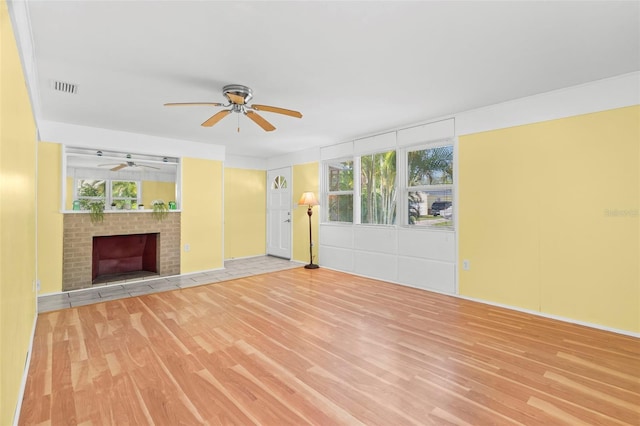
{"type": "Point", "coordinates": [238, 96]}
{"type": "Point", "coordinates": [127, 164]}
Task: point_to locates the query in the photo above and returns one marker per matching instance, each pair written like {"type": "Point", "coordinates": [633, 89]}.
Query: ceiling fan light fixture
{"type": "Point", "coordinates": [237, 93]}
{"type": "Point", "coordinates": [238, 96]}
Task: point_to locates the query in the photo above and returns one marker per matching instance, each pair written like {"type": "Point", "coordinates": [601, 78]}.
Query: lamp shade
{"type": "Point", "coordinates": [308, 199]}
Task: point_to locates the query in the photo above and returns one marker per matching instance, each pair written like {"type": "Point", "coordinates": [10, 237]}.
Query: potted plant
{"type": "Point", "coordinates": [160, 209]}
{"type": "Point", "coordinates": [96, 211]}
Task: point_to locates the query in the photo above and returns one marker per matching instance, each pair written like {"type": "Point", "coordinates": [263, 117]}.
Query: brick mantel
{"type": "Point", "coordinates": [78, 242]}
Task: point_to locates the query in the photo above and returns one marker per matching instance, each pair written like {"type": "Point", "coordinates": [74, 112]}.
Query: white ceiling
{"type": "Point", "coordinates": [352, 68]}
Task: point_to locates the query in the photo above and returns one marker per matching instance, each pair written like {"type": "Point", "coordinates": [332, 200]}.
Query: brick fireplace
{"type": "Point", "coordinates": [78, 243]}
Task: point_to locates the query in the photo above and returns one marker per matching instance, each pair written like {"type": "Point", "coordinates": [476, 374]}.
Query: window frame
{"type": "Point", "coordinates": [357, 199]}
{"type": "Point", "coordinates": [402, 184]}
{"type": "Point", "coordinates": [328, 192]}
{"type": "Point", "coordinates": [406, 188]}
{"type": "Point", "coordinates": [108, 196]}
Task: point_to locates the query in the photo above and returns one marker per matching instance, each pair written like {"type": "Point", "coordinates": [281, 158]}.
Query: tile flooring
{"type": "Point", "coordinates": [233, 269]}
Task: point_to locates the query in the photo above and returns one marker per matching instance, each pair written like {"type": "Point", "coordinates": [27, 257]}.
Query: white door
{"type": "Point", "coordinates": [279, 212]}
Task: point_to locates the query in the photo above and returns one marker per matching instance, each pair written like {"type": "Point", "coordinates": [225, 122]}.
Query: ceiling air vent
{"type": "Point", "coordinates": [61, 86]}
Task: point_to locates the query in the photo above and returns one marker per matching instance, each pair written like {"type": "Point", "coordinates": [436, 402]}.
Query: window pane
{"type": "Point", "coordinates": [341, 176]}
{"type": "Point", "coordinates": [123, 189]}
{"type": "Point", "coordinates": [431, 208]}
{"type": "Point", "coordinates": [90, 191]}
{"type": "Point", "coordinates": [378, 188]}
{"type": "Point", "coordinates": [341, 208]}
{"type": "Point", "coordinates": [433, 166]}
{"type": "Point", "coordinates": [279, 182]}
{"type": "Point", "coordinates": [124, 194]}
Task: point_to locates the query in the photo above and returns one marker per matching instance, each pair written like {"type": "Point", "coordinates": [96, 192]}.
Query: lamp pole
{"type": "Point", "coordinates": [311, 265]}
{"type": "Point", "coordinates": [309, 199]}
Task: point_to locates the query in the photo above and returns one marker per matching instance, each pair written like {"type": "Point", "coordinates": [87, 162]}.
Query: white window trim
{"type": "Point", "coordinates": [404, 188]}
{"type": "Point", "coordinates": [325, 188]}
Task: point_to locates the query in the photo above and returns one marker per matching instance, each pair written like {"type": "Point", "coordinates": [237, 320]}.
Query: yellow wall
{"type": "Point", "coordinates": [152, 190]}
{"type": "Point", "coordinates": [50, 220]}
{"type": "Point", "coordinates": [201, 218]}
{"type": "Point", "coordinates": [305, 178]}
{"type": "Point", "coordinates": [549, 217]}
{"type": "Point", "coordinates": [17, 220]}
{"type": "Point", "coordinates": [68, 203]}
{"type": "Point", "coordinates": [245, 198]}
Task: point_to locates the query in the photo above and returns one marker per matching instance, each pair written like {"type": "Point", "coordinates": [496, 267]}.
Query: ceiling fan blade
{"type": "Point", "coordinates": [216, 117]}
{"type": "Point", "coordinates": [236, 99]}
{"type": "Point", "coordinates": [277, 110]}
{"type": "Point", "coordinates": [256, 118]}
{"type": "Point", "coordinates": [118, 167]}
{"type": "Point", "coordinates": [193, 104]}
{"type": "Point", "coordinates": [148, 167]}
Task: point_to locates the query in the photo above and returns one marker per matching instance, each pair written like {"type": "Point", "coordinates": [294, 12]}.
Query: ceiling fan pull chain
{"type": "Point", "coordinates": [238, 122]}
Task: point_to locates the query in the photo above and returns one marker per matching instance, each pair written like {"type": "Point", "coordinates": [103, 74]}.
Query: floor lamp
{"type": "Point", "coordinates": [308, 199]}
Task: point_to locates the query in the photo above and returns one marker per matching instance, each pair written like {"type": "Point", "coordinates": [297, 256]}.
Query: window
{"type": "Point", "coordinates": [378, 188]}
{"type": "Point", "coordinates": [124, 194]}
{"type": "Point", "coordinates": [90, 191]}
{"type": "Point", "coordinates": [117, 193]}
{"type": "Point", "coordinates": [340, 191]}
{"type": "Point", "coordinates": [279, 182]}
{"type": "Point", "coordinates": [430, 186]}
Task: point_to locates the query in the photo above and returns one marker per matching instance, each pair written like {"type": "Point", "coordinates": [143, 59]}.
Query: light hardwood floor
{"type": "Point", "coordinates": [323, 347]}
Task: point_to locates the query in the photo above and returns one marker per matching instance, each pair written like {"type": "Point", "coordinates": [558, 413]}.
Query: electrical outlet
{"type": "Point", "coordinates": [466, 265]}
{"type": "Point", "coordinates": [187, 247]}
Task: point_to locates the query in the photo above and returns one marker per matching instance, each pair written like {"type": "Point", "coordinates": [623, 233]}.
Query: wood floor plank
{"type": "Point", "coordinates": [322, 347]}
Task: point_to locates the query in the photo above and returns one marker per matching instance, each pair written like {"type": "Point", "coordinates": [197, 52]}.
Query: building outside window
{"type": "Point", "coordinates": [430, 186]}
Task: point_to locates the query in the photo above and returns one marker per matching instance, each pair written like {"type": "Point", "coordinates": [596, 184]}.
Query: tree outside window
{"type": "Point", "coordinates": [90, 191]}
{"type": "Point", "coordinates": [117, 193]}
{"type": "Point", "coordinates": [340, 191]}
{"type": "Point", "coordinates": [124, 193]}
{"type": "Point", "coordinates": [378, 188]}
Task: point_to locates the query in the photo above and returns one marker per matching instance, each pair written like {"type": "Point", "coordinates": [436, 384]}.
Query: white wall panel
{"type": "Point", "coordinates": [336, 236]}
{"type": "Point", "coordinates": [336, 151]}
{"type": "Point", "coordinates": [336, 258]}
{"type": "Point", "coordinates": [427, 274]}
{"type": "Point", "coordinates": [377, 239]}
{"type": "Point", "coordinates": [428, 132]}
{"type": "Point", "coordinates": [427, 244]}
{"type": "Point", "coordinates": [377, 143]}
{"type": "Point", "coordinates": [376, 265]}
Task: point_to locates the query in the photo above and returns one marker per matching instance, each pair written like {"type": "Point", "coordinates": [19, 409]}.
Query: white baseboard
{"type": "Point", "coordinates": [25, 373]}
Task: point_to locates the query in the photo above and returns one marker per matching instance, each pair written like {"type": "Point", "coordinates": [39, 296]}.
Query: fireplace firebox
{"type": "Point", "coordinates": [124, 256]}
